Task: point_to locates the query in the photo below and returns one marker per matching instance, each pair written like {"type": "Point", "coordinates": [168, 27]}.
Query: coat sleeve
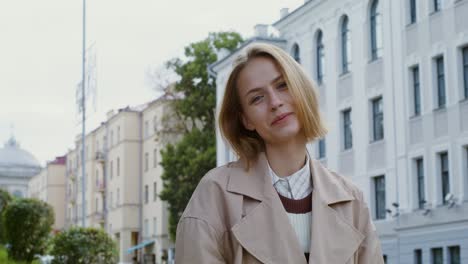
{"type": "Point", "coordinates": [370, 251]}
{"type": "Point", "coordinates": [197, 242]}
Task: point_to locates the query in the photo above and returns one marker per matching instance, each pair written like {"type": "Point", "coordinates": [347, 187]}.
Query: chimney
{"type": "Point", "coordinates": [261, 30]}
{"type": "Point", "coordinates": [284, 12]}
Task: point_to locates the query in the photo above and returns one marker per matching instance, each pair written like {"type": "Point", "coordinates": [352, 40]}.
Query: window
{"type": "Point", "coordinates": [118, 134]}
{"type": "Point", "coordinates": [118, 196]}
{"type": "Point", "coordinates": [465, 71]}
{"type": "Point", "coordinates": [440, 81]}
{"type": "Point", "coordinates": [111, 168]}
{"type": "Point", "coordinates": [347, 132]}
{"type": "Point", "coordinates": [146, 228]}
{"type": "Point", "coordinates": [420, 182]}
{"type": "Point", "coordinates": [379, 188]}
{"type": "Point", "coordinates": [375, 30]}
{"type": "Point", "coordinates": [377, 119]}
{"type": "Point", "coordinates": [155, 227]}
{"type": "Point", "coordinates": [296, 53]}
{"type": "Point", "coordinates": [155, 191]}
{"type": "Point", "coordinates": [437, 5]}
{"type": "Point", "coordinates": [146, 129]}
{"type": "Point", "coordinates": [155, 123]}
{"type": "Point", "coordinates": [454, 255]}
{"type": "Point", "coordinates": [385, 259]}
{"type": "Point", "coordinates": [321, 149]}
{"type": "Point", "coordinates": [146, 161]}
{"type": "Point", "coordinates": [437, 256]}
{"type": "Point", "coordinates": [320, 57]}
{"type": "Point", "coordinates": [146, 194]}
{"type": "Point", "coordinates": [444, 173]}
{"type": "Point", "coordinates": [118, 166]}
{"type": "Point", "coordinates": [97, 205]}
{"type": "Point", "coordinates": [412, 8]}
{"type": "Point", "coordinates": [155, 158]}
{"type": "Point", "coordinates": [416, 91]}
{"type": "Point", "coordinates": [345, 45]}
{"type": "Point", "coordinates": [418, 256]}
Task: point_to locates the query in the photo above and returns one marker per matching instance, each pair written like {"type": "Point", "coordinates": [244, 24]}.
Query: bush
{"type": "Point", "coordinates": [27, 223]}
{"type": "Point", "coordinates": [83, 245]}
{"type": "Point", "coordinates": [5, 199]}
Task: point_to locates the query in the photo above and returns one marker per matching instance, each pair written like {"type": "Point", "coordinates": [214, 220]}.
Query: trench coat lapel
{"type": "Point", "coordinates": [266, 233]}
{"type": "Point", "coordinates": [334, 239]}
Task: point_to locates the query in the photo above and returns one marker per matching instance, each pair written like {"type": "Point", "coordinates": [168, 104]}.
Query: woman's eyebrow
{"type": "Point", "coordinates": [277, 79]}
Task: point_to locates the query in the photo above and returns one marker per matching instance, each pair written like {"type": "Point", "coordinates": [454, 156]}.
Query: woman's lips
{"type": "Point", "coordinates": [280, 118]}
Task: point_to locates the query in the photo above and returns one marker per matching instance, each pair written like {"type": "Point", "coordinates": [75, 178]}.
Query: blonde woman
{"type": "Point", "coordinates": [276, 204]}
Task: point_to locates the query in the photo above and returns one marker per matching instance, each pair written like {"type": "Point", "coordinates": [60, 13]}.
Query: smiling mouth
{"type": "Point", "coordinates": [281, 117]}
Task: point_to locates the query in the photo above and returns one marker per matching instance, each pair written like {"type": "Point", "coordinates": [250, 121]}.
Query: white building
{"type": "Point", "coordinates": [393, 82]}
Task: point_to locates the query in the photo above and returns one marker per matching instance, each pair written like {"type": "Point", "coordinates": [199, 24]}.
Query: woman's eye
{"type": "Point", "coordinates": [282, 85]}
{"type": "Point", "coordinates": [255, 99]}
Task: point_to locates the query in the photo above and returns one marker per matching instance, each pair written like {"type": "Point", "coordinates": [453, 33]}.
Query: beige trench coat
{"type": "Point", "coordinates": [235, 216]}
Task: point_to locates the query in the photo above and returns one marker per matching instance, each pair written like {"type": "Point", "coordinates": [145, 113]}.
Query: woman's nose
{"type": "Point", "coordinates": [275, 100]}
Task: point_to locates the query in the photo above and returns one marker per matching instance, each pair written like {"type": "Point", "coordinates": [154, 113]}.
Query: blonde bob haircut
{"type": "Point", "coordinates": [248, 144]}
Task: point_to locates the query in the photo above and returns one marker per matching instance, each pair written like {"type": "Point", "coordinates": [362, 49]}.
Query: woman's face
{"type": "Point", "coordinates": [267, 105]}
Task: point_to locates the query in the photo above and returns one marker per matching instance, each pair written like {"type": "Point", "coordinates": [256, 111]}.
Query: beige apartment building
{"type": "Point", "coordinates": [49, 186]}
{"type": "Point", "coordinates": [123, 180]}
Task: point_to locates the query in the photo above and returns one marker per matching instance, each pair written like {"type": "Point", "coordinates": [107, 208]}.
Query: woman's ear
{"type": "Point", "coordinates": [247, 123]}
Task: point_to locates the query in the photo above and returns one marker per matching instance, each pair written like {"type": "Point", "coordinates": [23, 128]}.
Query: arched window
{"type": "Point", "coordinates": [345, 45]}
{"type": "Point", "coordinates": [375, 30]}
{"type": "Point", "coordinates": [296, 53]}
{"type": "Point", "coordinates": [320, 57]}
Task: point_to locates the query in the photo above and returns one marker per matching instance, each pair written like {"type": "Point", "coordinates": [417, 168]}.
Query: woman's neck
{"type": "Point", "coordinates": [285, 159]}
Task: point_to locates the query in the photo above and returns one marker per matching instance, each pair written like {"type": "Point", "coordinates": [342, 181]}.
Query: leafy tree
{"type": "Point", "coordinates": [84, 245]}
{"type": "Point", "coordinates": [28, 223]}
{"type": "Point", "coordinates": [5, 199]}
{"type": "Point", "coordinates": [186, 161]}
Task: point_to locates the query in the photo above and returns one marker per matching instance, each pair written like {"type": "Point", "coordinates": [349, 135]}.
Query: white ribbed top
{"type": "Point", "coordinates": [301, 224]}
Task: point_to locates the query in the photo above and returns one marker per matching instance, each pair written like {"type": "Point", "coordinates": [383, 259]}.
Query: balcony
{"type": "Point", "coordinates": [101, 187]}
{"type": "Point", "coordinates": [100, 157]}
{"type": "Point", "coordinates": [100, 217]}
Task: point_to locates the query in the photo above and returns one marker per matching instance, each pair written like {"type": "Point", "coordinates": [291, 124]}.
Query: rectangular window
{"type": "Point", "coordinates": [111, 201]}
{"type": "Point", "coordinates": [321, 149]}
{"type": "Point", "coordinates": [420, 183]}
{"type": "Point", "coordinates": [146, 129]}
{"type": "Point", "coordinates": [146, 228]}
{"type": "Point", "coordinates": [437, 256]}
{"type": "Point", "coordinates": [437, 5]}
{"type": "Point", "coordinates": [111, 169]}
{"type": "Point", "coordinates": [377, 119]}
{"type": "Point", "coordinates": [155, 227]}
{"type": "Point", "coordinates": [347, 136]}
{"type": "Point", "coordinates": [454, 254]}
{"type": "Point", "coordinates": [146, 194]}
{"type": "Point", "coordinates": [418, 256]}
{"type": "Point", "coordinates": [155, 158]}
{"type": "Point", "coordinates": [416, 91]}
{"type": "Point", "coordinates": [146, 161]}
{"type": "Point", "coordinates": [444, 173]}
{"type": "Point", "coordinates": [118, 134]}
{"type": "Point", "coordinates": [112, 138]}
{"type": "Point", "coordinates": [385, 259]}
{"type": "Point", "coordinates": [379, 188]}
{"type": "Point", "coordinates": [118, 166]}
{"type": "Point", "coordinates": [155, 191]}
{"type": "Point", "coordinates": [412, 11]}
{"type": "Point", "coordinates": [441, 98]}
{"type": "Point", "coordinates": [118, 196]}
{"type": "Point", "coordinates": [465, 71]}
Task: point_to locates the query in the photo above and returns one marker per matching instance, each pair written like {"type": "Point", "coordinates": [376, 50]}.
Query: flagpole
{"type": "Point", "coordinates": [83, 113]}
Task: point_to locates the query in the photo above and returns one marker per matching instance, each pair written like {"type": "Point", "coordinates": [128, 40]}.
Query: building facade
{"type": "Point", "coordinates": [123, 180]}
{"type": "Point", "coordinates": [393, 83]}
{"type": "Point", "coordinates": [49, 186]}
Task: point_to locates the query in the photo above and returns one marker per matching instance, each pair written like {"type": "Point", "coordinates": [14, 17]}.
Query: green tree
{"type": "Point", "coordinates": [5, 199]}
{"type": "Point", "coordinates": [186, 161]}
{"type": "Point", "coordinates": [28, 223]}
{"type": "Point", "coordinates": [80, 245]}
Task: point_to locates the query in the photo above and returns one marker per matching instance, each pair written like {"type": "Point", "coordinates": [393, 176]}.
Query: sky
{"type": "Point", "coordinates": [41, 47]}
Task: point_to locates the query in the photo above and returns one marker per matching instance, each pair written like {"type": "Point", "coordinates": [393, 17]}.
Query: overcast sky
{"type": "Point", "coordinates": [40, 57]}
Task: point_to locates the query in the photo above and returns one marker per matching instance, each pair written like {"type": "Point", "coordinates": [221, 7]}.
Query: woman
{"type": "Point", "coordinates": [275, 204]}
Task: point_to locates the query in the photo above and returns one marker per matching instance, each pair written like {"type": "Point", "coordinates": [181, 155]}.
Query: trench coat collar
{"type": "Point", "coordinates": [266, 233]}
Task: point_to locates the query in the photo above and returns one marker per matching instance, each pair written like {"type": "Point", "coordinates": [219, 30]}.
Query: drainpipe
{"type": "Point", "coordinates": [140, 181]}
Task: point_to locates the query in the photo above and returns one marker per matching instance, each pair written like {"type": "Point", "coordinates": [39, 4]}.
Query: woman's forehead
{"type": "Point", "coordinates": [258, 73]}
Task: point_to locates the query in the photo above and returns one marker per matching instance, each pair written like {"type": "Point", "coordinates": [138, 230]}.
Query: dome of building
{"type": "Point", "coordinates": [17, 162]}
